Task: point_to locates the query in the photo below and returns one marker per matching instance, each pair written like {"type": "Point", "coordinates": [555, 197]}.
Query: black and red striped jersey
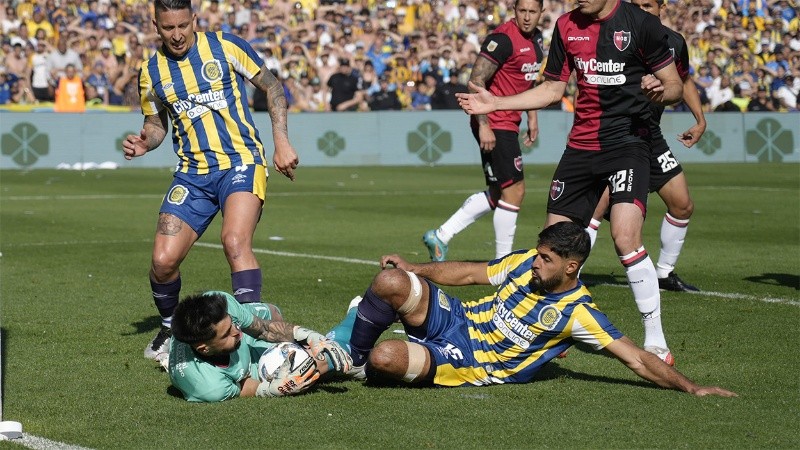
{"type": "Point", "coordinates": [609, 56]}
{"type": "Point", "coordinates": [519, 59]}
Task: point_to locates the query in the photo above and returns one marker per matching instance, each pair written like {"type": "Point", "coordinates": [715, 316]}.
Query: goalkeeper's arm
{"type": "Point", "coordinates": [320, 347]}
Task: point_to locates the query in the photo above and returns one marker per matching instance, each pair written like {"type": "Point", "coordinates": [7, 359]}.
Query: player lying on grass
{"type": "Point", "coordinates": [218, 341]}
{"type": "Point", "coordinates": [540, 309]}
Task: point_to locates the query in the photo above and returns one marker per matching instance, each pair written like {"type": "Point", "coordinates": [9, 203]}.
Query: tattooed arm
{"type": "Point", "coordinates": [285, 158]}
{"type": "Point", "coordinates": [482, 72]}
{"type": "Point", "coordinates": [270, 330]}
{"type": "Point", "coordinates": [153, 132]}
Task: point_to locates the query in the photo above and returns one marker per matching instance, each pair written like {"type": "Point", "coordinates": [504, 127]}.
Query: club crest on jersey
{"type": "Point", "coordinates": [556, 189]}
{"type": "Point", "coordinates": [549, 317]}
{"type": "Point", "coordinates": [177, 195]}
{"type": "Point", "coordinates": [443, 303]}
{"type": "Point", "coordinates": [491, 46]}
{"type": "Point", "coordinates": [518, 163]}
{"type": "Point", "coordinates": [622, 39]}
{"type": "Point", "coordinates": [212, 70]}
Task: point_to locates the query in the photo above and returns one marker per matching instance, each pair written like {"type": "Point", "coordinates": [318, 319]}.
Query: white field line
{"type": "Point", "coordinates": [378, 193]}
{"type": "Point", "coordinates": [40, 443]}
{"type": "Point", "coordinates": [736, 296]}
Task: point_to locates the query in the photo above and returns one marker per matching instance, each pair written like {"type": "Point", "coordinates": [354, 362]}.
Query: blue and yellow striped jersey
{"type": "Point", "coordinates": [204, 94]}
{"type": "Point", "coordinates": [515, 331]}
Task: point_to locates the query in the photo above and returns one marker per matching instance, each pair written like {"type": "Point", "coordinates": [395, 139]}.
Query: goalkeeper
{"type": "Point", "coordinates": [218, 341]}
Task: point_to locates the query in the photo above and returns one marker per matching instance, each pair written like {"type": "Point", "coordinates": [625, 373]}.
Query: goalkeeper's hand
{"type": "Point", "coordinates": [287, 381]}
{"type": "Point", "coordinates": [321, 348]}
{"type": "Point", "coordinates": [338, 359]}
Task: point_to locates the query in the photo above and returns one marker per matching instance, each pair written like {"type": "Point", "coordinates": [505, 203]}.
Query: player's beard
{"type": "Point", "coordinates": [539, 284]}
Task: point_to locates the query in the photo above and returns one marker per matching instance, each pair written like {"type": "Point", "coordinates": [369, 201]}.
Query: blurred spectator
{"type": "Point", "coordinates": [786, 95]}
{"type": "Point", "coordinates": [70, 96]}
{"type": "Point", "coordinates": [762, 102]}
{"type": "Point", "coordinates": [421, 96]}
{"type": "Point", "coordinates": [384, 98]}
{"type": "Point", "coordinates": [110, 62]}
{"type": "Point", "coordinates": [40, 22]}
{"type": "Point", "coordinates": [444, 97]}
{"type": "Point", "coordinates": [344, 86]}
{"type": "Point", "coordinates": [16, 62]}
{"type": "Point", "coordinates": [42, 84]}
{"type": "Point", "coordinates": [99, 81]}
{"type": "Point", "coordinates": [320, 97]}
{"type": "Point", "coordinates": [59, 58]}
{"type": "Point", "coordinates": [720, 91]}
{"type": "Point", "coordinates": [10, 22]}
{"type": "Point", "coordinates": [6, 83]}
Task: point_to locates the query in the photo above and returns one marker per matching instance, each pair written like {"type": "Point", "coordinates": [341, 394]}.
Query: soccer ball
{"type": "Point", "coordinates": [273, 357]}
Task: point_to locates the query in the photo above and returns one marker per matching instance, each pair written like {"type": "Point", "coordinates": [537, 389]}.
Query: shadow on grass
{"type": "Point", "coordinates": [149, 324]}
{"type": "Point", "coordinates": [777, 279]}
{"type": "Point", "coordinates": [553, 372]}
{"type": "Point", "coordinates": [595, 279]}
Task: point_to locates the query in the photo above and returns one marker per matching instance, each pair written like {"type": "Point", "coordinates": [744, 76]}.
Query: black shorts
{"type": "Point", "coordinates": [581, 177]}
{"type": "Point", "coordinates": [502, 166]}
{"type": "Point", "coordinates": [663, 164]}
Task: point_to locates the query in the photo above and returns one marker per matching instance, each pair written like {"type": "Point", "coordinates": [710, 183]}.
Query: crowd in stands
{"type": "Point", "coordinates": [361, 55]}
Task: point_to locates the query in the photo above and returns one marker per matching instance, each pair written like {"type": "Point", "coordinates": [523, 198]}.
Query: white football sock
{"type": "Point", "coordinates": [644, 284]}
{"type": "Point", "coordinates": [673, 233]}
{"type": "Point", "coordinates": [594, 225]}
{"type": "Point", "coordinates": [505, 226]}
{"type": "Point", "coordinates": [475, 206]}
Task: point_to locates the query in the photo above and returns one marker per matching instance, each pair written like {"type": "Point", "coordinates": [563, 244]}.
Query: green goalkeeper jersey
{"type": "Point", "coordinates": [202, 381]}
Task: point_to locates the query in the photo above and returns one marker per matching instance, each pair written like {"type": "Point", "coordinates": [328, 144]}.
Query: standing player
{"type": "Point", "coordinates": [508, 64]}
{"type": "Point", "coordinates": [198, 81]}
{"type": "Point", "coordinates": [666, 174]}
{"type": "Point", "coordinates": [622, 62]}
{"type": "Point", "coordinates": [539, 309]}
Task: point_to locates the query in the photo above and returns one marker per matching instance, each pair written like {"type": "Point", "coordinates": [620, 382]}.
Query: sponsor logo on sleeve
{"type": "Point", "coordinates": [491, 46]}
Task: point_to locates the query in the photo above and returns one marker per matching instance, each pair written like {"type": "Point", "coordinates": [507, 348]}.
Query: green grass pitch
{"type": "Point", "coordinates": [77, 313]}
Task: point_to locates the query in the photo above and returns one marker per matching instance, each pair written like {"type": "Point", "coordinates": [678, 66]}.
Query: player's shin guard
{"type": "Point", "coordinates": [474, 207]}
{"type": "Point", "coordinates": [247, 285]}
{"type": "Point", "coordinates": [505, 227]}
{"type": "Point", "coordinates": [373, 318]}
{"type": "Point", "coordinates": [644, 284]}
{"type": "Point", "coordinates": [673, 234]}
{"type": "Point", "coordinates": [166, 298]}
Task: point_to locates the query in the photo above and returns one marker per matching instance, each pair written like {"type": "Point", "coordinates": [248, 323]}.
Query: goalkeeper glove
{"type": "Point", "coordinates": [288, 381]}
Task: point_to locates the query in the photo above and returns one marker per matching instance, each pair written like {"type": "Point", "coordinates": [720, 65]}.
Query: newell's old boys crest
{"type": "Point", "coordinates": [518, 163]}
{"type": "Point", "coordinates": [622, 39]}
{"type": "Point", "coordinates": [556, 189]}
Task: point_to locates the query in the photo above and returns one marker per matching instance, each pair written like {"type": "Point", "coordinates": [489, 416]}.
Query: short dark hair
{"type": "Point", "coordinates": [169, 5]}
{"type": "Point", "coordinates": [541, 3]}
{"type": "Point", "coordinates": [195, 316]}
{"type": "Point", "coordinates": [567, 240]}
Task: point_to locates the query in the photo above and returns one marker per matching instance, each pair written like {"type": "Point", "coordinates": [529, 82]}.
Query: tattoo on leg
{"type": "Point", "coordinates": [169, 225]}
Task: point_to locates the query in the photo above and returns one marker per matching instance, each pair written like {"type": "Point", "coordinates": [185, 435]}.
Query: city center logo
{"type": "Point", "coordinates": [622, 39]}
